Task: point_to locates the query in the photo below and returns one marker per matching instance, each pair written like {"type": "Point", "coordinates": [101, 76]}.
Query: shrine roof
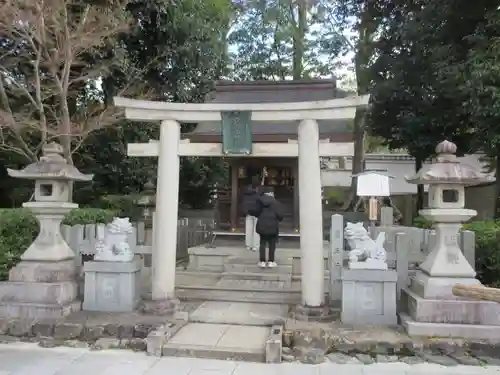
{"type": "Point", "coordinates": [339, 130]}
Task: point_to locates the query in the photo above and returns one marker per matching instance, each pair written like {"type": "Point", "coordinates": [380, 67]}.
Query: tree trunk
{"type": "Point", "coordinates": [497, 182]}
{"type": "Point", "coordinates": [420, 188]}
{"type": "Point", "coordinates": [477, 292]}
{"type": "Point", "coordinates": [299, 40]}
{"type": "Point", "coordinates": [361, 60]}
{"type": "Point", "coordinates": [358, 157]}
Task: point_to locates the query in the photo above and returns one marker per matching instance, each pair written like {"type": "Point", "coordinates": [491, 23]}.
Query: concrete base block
{"type": "Point", "coordinates": [464, 331]}
{"type": "Point", "coordinates": [40, 290]}
{"type": "Point", "coordinates": [369, 297]}
{"type": "Point", "coordinates": [43, 272]}
{"type": "Point", "coordinates": [455, 311]}
{"type": "Point", "coordinates": [274, 345]}
{"type": "Point", "coordinates": [315, 313]}
{"type": "Point", "coordinates": [158, 337]}
{"type": "Point", "coordinates": [37, 311]}
{"type": "Point", "coordinates": [112, 286]}
{"type": "Point", "coordinates": [57, 293]}
{"type": "Point", "coordinates": [438, 287]}
{"type": "Point", "coordinates": [155, 341]}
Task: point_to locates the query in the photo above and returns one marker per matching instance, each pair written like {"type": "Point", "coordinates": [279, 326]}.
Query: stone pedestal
{"type": "Point", "coordinates": [369, 297]}
{"type": "Point", "coordinates": [43, 284]}
{"type": "Point", "coordinates": [111, 286]}
{"type": "Point", "coordinates": [431, 309]}
{"type": "Point", "coordinates": [39, 290]}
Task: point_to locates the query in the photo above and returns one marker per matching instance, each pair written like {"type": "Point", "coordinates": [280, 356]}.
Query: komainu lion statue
{"type": "Point", "coordinates": [365, 252]}
{"type": "Point", "coordinates": [114, 247]}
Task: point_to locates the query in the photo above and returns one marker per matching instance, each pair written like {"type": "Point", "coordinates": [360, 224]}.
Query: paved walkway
{"type": "Point", "coordinates": [29, 359]}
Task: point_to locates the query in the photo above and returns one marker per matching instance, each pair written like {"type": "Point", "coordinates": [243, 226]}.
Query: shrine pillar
{"type": "Point", "coordinates": [167, 203]}
{"type": "Point", "coordinates": [311, 215]}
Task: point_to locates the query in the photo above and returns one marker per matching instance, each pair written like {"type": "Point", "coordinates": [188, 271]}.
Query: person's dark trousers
{"type": "Point", "coordinates": [270, 241]}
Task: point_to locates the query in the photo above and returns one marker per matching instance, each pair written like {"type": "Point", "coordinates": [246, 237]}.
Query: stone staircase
{"type": "Point", "coordinates": [242, 306]}
{"type": "Point", "coordinates": [240, 300]}
{"type": "Point", "coordinates": [241, 280]}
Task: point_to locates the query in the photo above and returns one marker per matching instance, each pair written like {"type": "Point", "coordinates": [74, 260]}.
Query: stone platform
{"type": "Point", "coordinates": [240, 313]}
{"type": "Point", "coordinates": [219, 341]}
{"type": "Point", "coordinates": [39, 290]}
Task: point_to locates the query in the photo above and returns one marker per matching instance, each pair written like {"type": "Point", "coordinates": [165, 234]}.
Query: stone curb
{"type": "Point", "coordinates": [274, 344]}
{"type": "Point", "coordinates": [447, 352]}
{"type": "Point", "coordinates": [159, 336]}
{"type": "Point", "coordinates": [52, 333]}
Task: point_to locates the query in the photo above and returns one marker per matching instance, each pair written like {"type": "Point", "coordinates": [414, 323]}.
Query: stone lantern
{"type": "Point", "coordinates": [432, 309]}
{"type": "Point", "coordinates": [447, 179]}
{"type": "Point", "coordinates": [43, 283]}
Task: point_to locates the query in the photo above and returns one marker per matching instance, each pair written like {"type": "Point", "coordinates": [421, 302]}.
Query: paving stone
{"type": "Point", "coordinates": [411, 360]}
{"type": "Point", "coordinates": [240, 313]}
{"type": "Point", "coordinates": [489, 360]}
{"type": "Point", "coordinates": [364, 358]}
{"type": "Point", "coordinates": [484, 350]}
{"type": "Point", "coordinates": [126, 331]}
{"type": "Point", "coordinates": [142, 330]}
{"type": "Point", "coordinates": [439, 359]}
{"type": "Point", "coordinates": [380, 358]}
{"type": "Point", "coordinates": [314, 338]}
{"type": "Point", "coordinates": [312, 356]}
{"type": "Point", "coordinates": [4, 326]}
{"type": "Point", "coordinates": [460, 355]}
{"type": "Point", "coordinates": [342, 359]}
{"type": "Point", "coordinates": [92, 333]}
{"type": "Point", "coordinates": [68, 331]}
{"type": "Point", "coordinates": [50, 342]}
{"type": "Point", "coordinates": [20, 328]}
{"type": "Point", "coordinates": [466, 359]}
{"type": "Point", "coordinates": [112, 330]}
{"type": "Point", "coordinates": [106, 343]}
{"type": "Point", "coordinates": [137, 344]}
{"type": "Point", "coordinates": [75, 344]}
{"type": "Point", "coordinates": [5, 339]}
{"type": "Point", "coordinates": [43, 329]}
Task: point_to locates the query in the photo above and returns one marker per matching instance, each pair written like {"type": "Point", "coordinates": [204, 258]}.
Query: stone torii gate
{"type": "Point", "coordinates": [308, 149]}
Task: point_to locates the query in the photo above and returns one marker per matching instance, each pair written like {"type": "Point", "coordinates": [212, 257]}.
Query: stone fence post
{"type": "Point", "coordinates": [335, 256]}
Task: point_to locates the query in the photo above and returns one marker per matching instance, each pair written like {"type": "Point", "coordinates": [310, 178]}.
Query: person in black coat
{"type": "Point", "coordinates": [269, 214]}
{"type": "Point", "coordinates": [249, 204]}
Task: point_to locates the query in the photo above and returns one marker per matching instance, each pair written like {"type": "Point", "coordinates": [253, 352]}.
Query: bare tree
{"type": "Point", "coordinates": [44, 67]}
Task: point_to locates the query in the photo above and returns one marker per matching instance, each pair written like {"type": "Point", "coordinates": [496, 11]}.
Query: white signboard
{"type": "Point", "coordinates": [373, 184]}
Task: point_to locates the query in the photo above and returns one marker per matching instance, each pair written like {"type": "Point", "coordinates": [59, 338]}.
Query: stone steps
{"type": "Point", "coordinates": [263, 276]}
{"type": "Point", "coordinates": [254, 268]}
{"type": "Point", "coordinates": [219, 341]}
{"type": "Point", "coordinates": [239, 292]}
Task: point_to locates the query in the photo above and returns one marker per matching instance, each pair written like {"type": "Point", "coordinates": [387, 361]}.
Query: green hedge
{"type": "Point", "coordinates": [123, 205]}
{"type": "Point", "coordinates": [18, 229]}
{"type": "Point", "coordinates": [487, 250]}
